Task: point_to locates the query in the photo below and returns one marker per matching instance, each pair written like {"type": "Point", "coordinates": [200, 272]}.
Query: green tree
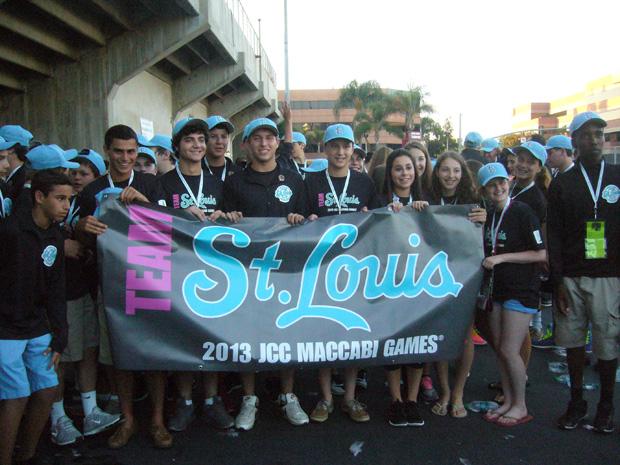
{"type": "Point", "coordinates": [358, 96]}
{"type": "Point", "coordinates": [438, 138]}
{"type": "Point", "coordinates": [412, 103]}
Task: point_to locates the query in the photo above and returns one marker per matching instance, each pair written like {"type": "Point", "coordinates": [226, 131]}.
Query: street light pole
{"type": "Point", "coordinates": [287, 93]}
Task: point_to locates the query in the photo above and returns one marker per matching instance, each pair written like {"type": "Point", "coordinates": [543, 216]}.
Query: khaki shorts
{"type": "Point", "coordinates": [105, 350]}
{"type": "Point", "coordinates": [83, 328]}
{"type": "Point", "coordinates": [595, 301]}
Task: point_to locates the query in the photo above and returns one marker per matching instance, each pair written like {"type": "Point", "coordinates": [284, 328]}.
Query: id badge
{"type": "Point", "coordinates": [595, 243]}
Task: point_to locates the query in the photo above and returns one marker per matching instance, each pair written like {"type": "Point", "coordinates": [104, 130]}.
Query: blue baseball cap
{"type": "Point", "coordinates": [581, 119]}
{"type": "Point", "coordinates": [473, 140]}
{"type": "Point", "coordinates": [537, 150]}
{"type": "Point", "coordinates": [488, 145]}
{"type": "Point", "coordinates": [45, 157]}
{"type": "Point", "coordinates": [143, 141]}
{"type": "Point", "coordinates": [299, 138]}
{"type": "Point", "coordinates": [94, 158]}
{"type": "Point", "coordinates": [357, 148]}
{"type": "Point", "coordinates": [214, 121]}
{"type": "Point", "coordinates": [68, 154]}
{"type": "Point", "coordinates": [318, 164]}
{"type": "Point", "coordinates": [491, 171]}
{"type": "Point", "coordinates": [559, 142]}
{"type": "Point", "coordinates": [164, 142]}
{"type": "Point", "coordinates": [185, 121]}
{"type": "Point", "coordinates": [13, 135]}
{"type": "Point", "coordinates": [259, 123]}
{"type": "Point", "coordinates": [148, 152]}
{"type": "Point", "coordinates": [339, 131]}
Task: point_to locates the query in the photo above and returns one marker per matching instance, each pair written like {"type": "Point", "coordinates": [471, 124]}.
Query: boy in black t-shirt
{"type": "Point", "coordinates": [215, 160]}
{"type": "Point", "coordinates": [335, 191]}
{"type": "Point", "coordinates": [33, 324]}
{"type": "Point", "coordinates": [266, 189]}
{"type": "Point", "coordinates": [121, 146]}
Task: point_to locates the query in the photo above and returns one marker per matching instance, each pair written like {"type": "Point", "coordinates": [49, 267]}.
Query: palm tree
{"type": "Point", "coordinates": [411, 103]}
{"type": "Point", "coordinates": [374, 119]}
{"type": "Point", "coordinates": [358, 96]}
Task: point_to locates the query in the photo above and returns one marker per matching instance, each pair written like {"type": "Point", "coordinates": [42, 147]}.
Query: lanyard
{"type": "Point", "coordinates": [72, 211]}
{"type": "Point", "coordinates": [188, 189]}
{"type": "Point", "coordinates": [340, 200]}
{"type": "Point", "coordinates": [8, 178]}
{"type": "Point", "coordinates": [209, 168]}
{"type": "Point", "coordinates": [112, 182]}
{"type": "Point", "coordinates": [595, 196]}
{"type": "Point", "coordinates": [529, 186]}
{"type": "Point", "coordinates": [2, 213]}
{"type": "Point", "coordinates": [396, 198]}
{"type": "Point", "coordinates": [456, 199]}
{"type": "Point", "coordinates": [495, 229]}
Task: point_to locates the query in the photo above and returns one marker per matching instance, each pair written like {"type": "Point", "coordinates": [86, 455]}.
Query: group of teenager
{"type": "Point", "coordinates": [543, 210]}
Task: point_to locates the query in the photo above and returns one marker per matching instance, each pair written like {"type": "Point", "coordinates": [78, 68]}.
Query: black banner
{"type": "Point", "coordinates": [362, 288]}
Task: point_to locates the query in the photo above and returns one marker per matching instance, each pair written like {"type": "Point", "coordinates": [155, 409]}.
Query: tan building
{"type": "Point", "coordinates": [601, 95]}
{"type": "Point", "coordinates": [314, 109]}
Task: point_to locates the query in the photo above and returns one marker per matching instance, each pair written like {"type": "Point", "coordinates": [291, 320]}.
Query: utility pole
{"type": "Point", "coordinates": [287, 92]}
{"type": "Point", "coordinates": [460, 126]}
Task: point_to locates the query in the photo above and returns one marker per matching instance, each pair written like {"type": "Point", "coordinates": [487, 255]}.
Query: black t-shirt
{"type": "Point", "coordinates": [360, 193]}
{"type": "Point", "coordinates": [176, 196]}
{"type": "Point", "coordinates": [218, 171]}
{"type": "Point", "coordinates": [519, 232]}
{"type": "Point", "coordinates": [532, 197]}
{"type": "Point", "coordinates": [473, 154]}
{"type": "Point", "coordinates": [94, 194]}
{"type": "Point", "coordinates": [15, 183]}
{"type": "Point", "coordinates": [274, 194]}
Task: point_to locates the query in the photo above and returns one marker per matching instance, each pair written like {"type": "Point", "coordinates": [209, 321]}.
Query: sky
{"type": "Point", "coordinates": [476, 58]}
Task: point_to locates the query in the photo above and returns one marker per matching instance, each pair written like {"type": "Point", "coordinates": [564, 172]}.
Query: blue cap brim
{"type": "Point", "coordinates": [8, 145]}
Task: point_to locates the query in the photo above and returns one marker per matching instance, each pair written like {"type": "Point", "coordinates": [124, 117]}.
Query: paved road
{"type": "Point", "coordinates": [442, 441]}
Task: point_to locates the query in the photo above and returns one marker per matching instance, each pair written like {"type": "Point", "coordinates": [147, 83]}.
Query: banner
{"type": "Point", "coordinates": [363, 288]}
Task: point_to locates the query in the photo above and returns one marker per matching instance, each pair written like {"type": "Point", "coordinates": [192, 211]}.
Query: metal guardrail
{"type": "Point", "coordinates": [243, 21]}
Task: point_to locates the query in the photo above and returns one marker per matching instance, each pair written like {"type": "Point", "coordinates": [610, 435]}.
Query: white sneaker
{"type": "Point", "coordinates": [247, 415]}
{"type": "Point", "coordinates": [98, 420]}
{"type": "Point", "coordinates": [291, 408]}
{"type": "Point", "coordinates": [64, 432]}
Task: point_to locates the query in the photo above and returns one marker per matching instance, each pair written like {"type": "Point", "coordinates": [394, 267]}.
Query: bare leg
{"type": "Point", "coordinates": [495, 326]}
{"type": "Point", "coordinates": [444, 382]}
{"type": "Point", "coordinates": [463, 368]}
{"type": "Point", "coordinates": [350, 376]}
{"type": "Point", "coordinates": [11, 412]}
{"type": "Point", "coordinates": [210, 383]}
{"type": "Point", "coordinates": [325, 383]}
{"type": "Point", "coordinates": [248, 382]}
{"type": "Point", "coordinates": [37, 414]}
{"type": "Point", "coordinates": [87, 370]}
{"type": "Point", "coordinates": [183, 381]}
{"type": "Point", "coordinates": [60, 389]}
{"type": "Point", "coordinates": [156, 383]}
{"type": "Point", "coordinates": [124, 384]}
{"type": "Point", "coordinates": [393, 380]}
{"type": "Point", "coordinates": [526, 350]}
{"type": "Point", "coordinates": [287, 380]}
{"type": "Point", "coordinates": [515, 327]}
{"type": "Point", "coordinates": [414, 376]}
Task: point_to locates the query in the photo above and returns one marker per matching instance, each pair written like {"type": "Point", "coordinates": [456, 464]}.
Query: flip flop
{"type": "Point", "coordinates": [458, 411]}
{"type": "Point", "coordinates": [440, 409]}
{"type": "Point", "coordinates": [491, 417]}
{"type": "Point", "coordinates": [517, 421]}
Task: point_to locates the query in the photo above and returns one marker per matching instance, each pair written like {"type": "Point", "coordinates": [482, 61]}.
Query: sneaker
{"type": "Point", "coordinates": [413, 414]}
{"type": "Point", "coordinates": [337, 385]}
{"type": "Point", "coordinates": [356, 410]}
{"type": "Point", "coordinates": [98, 420]}
{"type": "Point", "coordinates": [321, 411]}
{"type": "Point", "coordinates": [604, 419]}
{"type": "Point", "coordinates": [396, 415]}
{"type": "Point", "coordinates": [589, 341]}
{"type": "Point", "coordinates": [184, 415]}
{"type": "Point", "coordinates": [576, 411]}
{"type": "Point", "coordinates": [477, 339]}
{"type": "Point", "coordinates": [546, 341]}
{"type": "Point", "coordinates": [216, 414]}
{"type": "Point", "coordinates": [247, 415]}
{"type": "Point", "coordinates": [64, 432]}
{"type": "Point", "coordinates": [428, 392]}
{"type": "Point", "coordinates": [291, 408]}
{"type": "Point", "coordinates": [362, 379]}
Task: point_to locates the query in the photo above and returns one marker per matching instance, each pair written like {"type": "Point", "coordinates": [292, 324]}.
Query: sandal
{"type": "Point", "coordinates": [440, 409]}
{"type": "Point", "coordinates": [458, 411]}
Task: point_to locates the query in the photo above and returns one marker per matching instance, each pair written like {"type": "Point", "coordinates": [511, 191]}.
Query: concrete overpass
{"type": "Point", "coordinates": [71, 68]}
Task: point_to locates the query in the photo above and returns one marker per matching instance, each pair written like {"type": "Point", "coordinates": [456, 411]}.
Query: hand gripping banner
{"type": "Point", "coordinates": [361, 288]}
